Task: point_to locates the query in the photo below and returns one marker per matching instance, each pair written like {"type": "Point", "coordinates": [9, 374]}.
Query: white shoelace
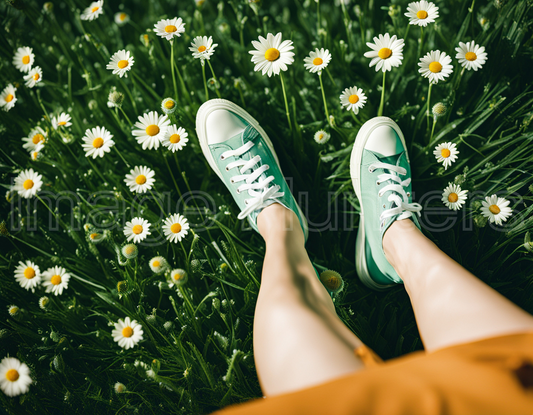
{"type": "Point", "coordinates": [260, 192]}
{"type": "Point", "coordinates": [399, 197]}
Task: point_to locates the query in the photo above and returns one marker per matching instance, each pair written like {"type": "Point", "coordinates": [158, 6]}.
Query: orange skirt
{"type": "Point", "coordinates": [486, 377]}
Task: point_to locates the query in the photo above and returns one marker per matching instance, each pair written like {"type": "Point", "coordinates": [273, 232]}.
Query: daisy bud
{"type": "Point", "coordinates": [92, 104]}
{"type": "Point", "coordinates": [59, 363]}
{"type": "Point", "coordinates": [196, 266]}
{"type": "Point", "coordinates": [4, 333]}
{"type": "Point", "coordinates": [130, 251]}
{"type": "Point", "coordinates": [13, 310]}
{"type": "Point", "coordinates": [321, 137]}
{"type": "Point", "coordinates": [332, 280]}
{"type": "Point", "coordinates": [168, 325]}
{"type": "Point", "coordinates": [394, 10]}
{"type": "Point", "coordinates": [151, 319]}
{"type": "Point", "coordinates": [44, 303]}
{"type": "Point", "coordinates": [222, 340]}
{"type": "Point", "coordinates": [48, 7]}
{"type": "Point", "coordinates": [168, 105]}
{"type": "Point", "coordinates": [216, 304]}
{"type": "Point", "coordinates": [3, 227]}
{"type": "Point", "coordinates": [120, 387]}
{"type": "Point", "coordinates": [115, 98]}
{"type": "Point", "coordinates": [438, 110]}
{"type": "Point", "coordinates": [122, 287]}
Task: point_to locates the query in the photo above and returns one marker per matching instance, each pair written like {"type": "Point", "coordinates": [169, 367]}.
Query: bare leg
{"type": "Point", "coordinates": [451, 305]}
{"type": "Point", "coordinates": [299, 341]}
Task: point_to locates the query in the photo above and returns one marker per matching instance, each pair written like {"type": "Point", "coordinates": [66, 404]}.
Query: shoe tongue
{"type": "Point", "coordinates": [387, 159]}
{"type": "Point", "coordinates": [251, 134]}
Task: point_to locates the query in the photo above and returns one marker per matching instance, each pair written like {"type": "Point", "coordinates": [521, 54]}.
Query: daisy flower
{"type": "Point", "coordinates": [422, 12]}
{"type": "Point", "coordinates": [97, 141]}
{"type": "Point", "coordinates": [121, 18]}
{"type": "Point", "coordinates": [471, 56]}
{"type": "Point", "coordinates": [35, 139]}
{"type": "Point", "coordinates": [435, 66]}
{"type": "Point", "coordinates": [127, 333]}
{"type": "Point", "coordinates": [175, 138]}
{"type": "Point", "coordinates": [321, 137]}
{"type": "Point", "coordinates": [496, 209]}
{"type": "Point", "coordinates": [63, 120]}
{"type": "Point", "coordinates": [120, 387]}
{"type": "Point", "coordinates": [95, 237]}
{"type": "Point", "coordinates": [36, 154]}
{"type": "Point", "coordinates": [151, 130]}
{"type": "Point", "coordinates": [23, 59]}
{"type": "Point", "coordinates": [317, 60]}
{"type": "Point", "coordinates": [44, 302]}
{"type": "Point", "coordinates": [175, 227]}
{"type": "Point", "coordinates": [158, 264]}
{"type": "Point", "coordinates": [28, 275]}
{"type": "Point", "coordinates": [13, 310]}
{"type": "Point", "coordinates": [168, 28]}
{"type": "Point", "coordinates": [93, 11]}
{"type": "Point", "coordinates": [121, 62]}
{"type": "Point", "coordinates": [34, 76]}
{"type": "Point", "coordinates": [14, 376]}
{"type": "Point", "coordinates": [137, 229]}
{"type": "Point", "coordinates": [353, 99]}
{"type": "Point", "coordinates": [8, 97]}
{"type": "Point", "coordinates": [271, 54]}
{"type": "Point", "coordinates": [168, 105]}
{"type": "Point", "coordinates": [386, 52]}
{"type": "Point", "coordinates": [446, 153]}
{"type": "Point", "coordinates": [202, 47]}
{"type": "Point", "coordinates": [130, 251]}
{"type": "Point", "coordinates": [28, 183]}
{"type": "Point", "coordinates": [178, 277]}
{"type": "Point", "coordinates": [453, 197]}
{"type": "Point", "coordinates": [55, 280]}
{"type": "Point", "coordinates": [140, 179]}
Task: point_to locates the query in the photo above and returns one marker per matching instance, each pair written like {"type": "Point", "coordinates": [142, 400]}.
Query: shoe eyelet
{"type": "Point", "coordinates": [227, 168]}
{"type": "Point", "coordinates": [222, 157]}
{"type": "Point", "coordinates": [378, 182]}
{"type": "Point", "coordinates": [370, 169]}
{"type": "Point", "coordinates": [246, 201]}
{"type": "Point", "coordinates": [232, 181]}
{"type": "Point", "coordinates": [238, 192]}
{"type": "Point", "coordinates": [384, 206]}
{"type": "Point", "coordinates": [408, 194]}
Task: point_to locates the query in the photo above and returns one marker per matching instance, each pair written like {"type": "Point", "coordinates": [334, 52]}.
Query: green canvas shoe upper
{"type": "Point", "coordinates": [246, 161]}
{"type": "Point", "coordinates": [382, 180]}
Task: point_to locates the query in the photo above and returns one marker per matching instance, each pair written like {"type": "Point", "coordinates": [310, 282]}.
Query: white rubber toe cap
{"type": "Point", "coordinates": [384, 140]}
{"type": "Point", "coordinates": [221, 125]}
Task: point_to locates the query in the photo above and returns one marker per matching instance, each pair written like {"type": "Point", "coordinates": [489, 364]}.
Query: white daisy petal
{"type": "Point", "coordinates": [14, 376]}
{"type": "Point", "coordinates": [272, 56]}
{"type": "Point", "coordinates": [175, 227]}
{"type": "Point", "coordinates": [93, 11]}
{"type": "Point", "coordinates": [353, 99]}
{"type": "Point", "coordinates": [23, 59]}
{"type": "Point", "coordinates": [140, 179]}
{"type": "Point", "coordinates": [97, 142]}
{"type": "Point", "coordinates": [386, 53]}
{"type": "Point", "coordinates": [446, 153]}
{"type": "Point", "coordinates": [55, 280]}
{"type": "Point", "coordinates": [151, 129]}
{"type": "Point", "coordinates": [137, 230]}
{"type": "Point", "coordinates": [28, 183]}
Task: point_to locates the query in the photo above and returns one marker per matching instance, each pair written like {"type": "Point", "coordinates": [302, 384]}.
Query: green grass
{"type": "Point", "coordinates": [205, 359]}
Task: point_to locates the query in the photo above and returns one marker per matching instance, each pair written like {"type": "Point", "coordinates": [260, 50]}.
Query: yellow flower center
{"type": "Point", "coordinates": [201, 48]}
{"type": "Point", "coordinates": [122, 16]}
{"type": "Point", "coordinates": [26, 59]}
{"type": "Point", "coordinates": [13, 310]}
{"type": "Point", "coordinates": [93, 235]}
{"type": "Point", "coordinates": [422, 14]}
{"type": "Point", "coordinates": [470, 56]}
{"type": "Point", "coordinates": [28, 184]}
{"type": "Point", "coordinates": [452, 197]}
{"type": "Point", "coordinates": [36, 77]}
{"type": "Point", "coordinates": [170, 28]}
{"type": "Point", "coordinates": [445, 153]}
{"type": "Point", "coordinates": [140, 179]}
{"type": "Point", "coordinates": [175, 228]}
{"type": "Point", "coordinates": [318, 61]}
{"type": "Point", "coordinates": [94, 9]}
{"type": "Point", "coordinates": [169, 104]}
{"type": "Point", "coordinates": [56, 279]}
{"type": "Point", "coordinates": [152, 130]}
{"type": "Point", "coordinates": [12, 375]}
{"type": "Point", "coordinates": [130, 250]}
{"type": "Point", "coordinates": [127, 331]}
{"type": "Point", "coordinates": [62, 123]}
{"type": "Point", "coordinates": [37, 138]}
{"type": "Point", "coordinates": [177, 276]}
{"type": "Point", "coordinates": [122, 63]}
{"type": "Point", "coordinates": [353, 99]}
{"type": "Point", "coordinates": [494, 209]}
{"type": "Point", "coordinates": [435, 67]}
{"type": "Point", "coordinates": [29, 273]}
{"type": "Point", "coordinates": [174, 138]}
{"type": "Point", "coordinates": [98, 142]}
{"type": "Point", "coordinates": [271, 54]}
{"type": "Point", "coordinates": [137, 229]}
{"type": "Point", "coordinates": [320, 136]}
{"type": "Point", "coordinates": [9, 97]}
{"type": "Point", "coordinates": [156, 264]}
{"type": "Point", "coordinates": [34, 155]}
{"type": "Point", "coordinates": [384, 53]}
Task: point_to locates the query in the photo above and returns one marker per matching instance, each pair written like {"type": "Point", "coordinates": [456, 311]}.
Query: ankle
{"type": "Point", "coordinates": [396, 240]}
{"type": "Point", "coordinates": [279, 223]}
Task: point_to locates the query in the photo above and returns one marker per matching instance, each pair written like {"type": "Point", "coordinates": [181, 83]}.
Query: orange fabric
{"type": "Point", "coordinates": [486, 377]}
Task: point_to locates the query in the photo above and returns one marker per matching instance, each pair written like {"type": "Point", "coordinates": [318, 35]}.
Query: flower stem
{"type": "Point", "coordinates": [323, 96]}
{"type": "Point", "coordinates": [285, 98]}
{"type": "Point", "coordinates": [406, 31]}
{"type": "Point", "coordinates": [48, 207]}
{"type": "Point", "coordinates": [123, 159]}
{"type": "Point", "coordinates": [433, 129]}
{"type": "Point", "coordinates": [123, 113]}
{"type": "Point", "coordinates": [214, 77]}
{"type": "Point", "coordinates": [380, 111]}
{"type": "Point", "coordinates": [205, 82]}
{"type": "Point", "coordinates": [429, 97]}
{"type": "Point", "coordinates": [173, 179]}
{"type": "Point", "coordinates": [157, 201]}
{"type": "Point", "coordinates": [172, 69]}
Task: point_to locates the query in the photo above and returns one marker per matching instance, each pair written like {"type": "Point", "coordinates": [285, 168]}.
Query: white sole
{"type": "Point", "coordinates": [201, 130]}
{"type": "Point", "coordinates": [355, 170]}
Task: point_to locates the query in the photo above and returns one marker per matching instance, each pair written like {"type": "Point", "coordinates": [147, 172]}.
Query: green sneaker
{"type": "Point", "coordinates": [381, 177]}
{"type": "Point", "coordinates": [242, 155]}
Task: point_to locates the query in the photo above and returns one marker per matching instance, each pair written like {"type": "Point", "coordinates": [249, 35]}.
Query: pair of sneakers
{"type": "Point", "coordinates": [242, 155]}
